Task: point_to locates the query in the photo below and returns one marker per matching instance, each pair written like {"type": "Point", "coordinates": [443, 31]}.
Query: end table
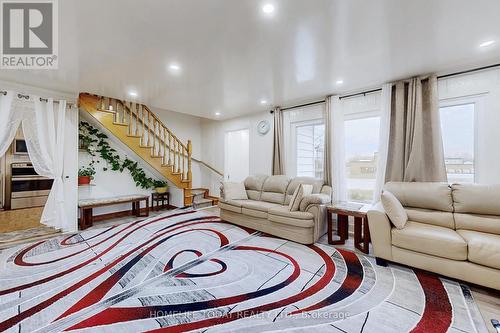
{"type": "Point", "coordinates": [361, 229]}
{"type": "Point", "coordinates": [160, 197]}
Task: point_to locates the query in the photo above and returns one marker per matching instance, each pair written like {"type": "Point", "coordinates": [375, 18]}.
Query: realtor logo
{"type": "Point", "coordinates": [29, 34]}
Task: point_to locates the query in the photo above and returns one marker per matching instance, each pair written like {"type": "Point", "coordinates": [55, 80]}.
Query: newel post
{"type": "Point", "coordinates": [190, 151]}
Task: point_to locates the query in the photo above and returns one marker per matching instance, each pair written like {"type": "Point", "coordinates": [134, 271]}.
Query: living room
{"type": "Point", "coordinates": [249, 166]}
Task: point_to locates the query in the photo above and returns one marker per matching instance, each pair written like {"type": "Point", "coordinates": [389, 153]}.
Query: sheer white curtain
{"type": "Point", "coordinates": [43, 127]}
{"type": "Point", "coordinates": [337, 144]}
{"type": "Point", "coordinates": [9, 121]}
{"type": "Point", "coordinates": [385, 123]}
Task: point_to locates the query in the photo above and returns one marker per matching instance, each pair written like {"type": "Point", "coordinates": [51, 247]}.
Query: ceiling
{"type": "Point", "coordinates": [232, 55]}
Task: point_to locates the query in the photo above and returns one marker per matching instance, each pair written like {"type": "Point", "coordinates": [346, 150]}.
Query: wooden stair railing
{"type": "Point", "coordinates": [143, 132]}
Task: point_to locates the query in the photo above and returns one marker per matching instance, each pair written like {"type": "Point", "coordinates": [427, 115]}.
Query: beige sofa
{"type": "Point", "coordinates": [267, 208]}
{"type": "Point", "coordinates": [451, 230]}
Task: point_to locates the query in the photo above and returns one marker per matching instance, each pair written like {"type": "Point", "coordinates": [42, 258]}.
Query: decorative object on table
{"type": "Point", "coordinates": [160, 186]}
{"type": "Point", "coordinates": [263, 127]}
{"type": "Point", "coordinates": [361, 229]}
{"type": "Point", "coordinates": [157, 197]}
{"type": "Point", "coordinates": [85, 175]}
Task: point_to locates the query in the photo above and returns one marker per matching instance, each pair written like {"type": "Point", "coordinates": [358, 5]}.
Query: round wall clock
{"type": "Point", "coordinates": [263, 127]}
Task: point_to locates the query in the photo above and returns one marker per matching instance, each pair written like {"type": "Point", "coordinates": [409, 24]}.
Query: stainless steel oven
{"type": "Point", "coordinates": [28, 189]}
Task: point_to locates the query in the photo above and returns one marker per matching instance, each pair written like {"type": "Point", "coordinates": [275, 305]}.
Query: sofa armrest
{"type": "Point", "coordinates": [314, 199]}
{"type": "Point", "coordinates": [316, 205]}
{"type": "Point", "coordinates": [380, 232]}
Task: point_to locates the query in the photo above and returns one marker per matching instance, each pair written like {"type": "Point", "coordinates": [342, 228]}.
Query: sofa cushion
{"type": "Point", "coordinates": [394, 209]}
{"type": "Point", "coordinates": [253, 185]}
{"type": "Point", "coordinates": [274, 189]}
{"type": "Point", "coordinates": [297, 218]}
{"type": "Point", "coordinates": [261, 206]}
{"type": "Point", "coordinates": [295, 182]}
{"type": "Point", "coordinates": [435, 196]}
{"type": "Point", "coordinates": [301, 191]}
{"type": "Point", "coordinates": [476, 198]}
{"type": "Point", "coordinates": [484, 249]}
{"type": "Point", "coordinates": [483, 223]}
{"type": "Point", "coordinates": [234, 191]}
{"type": "Point", "coordinates": [231, 205]}
{"type": "Point", "coordinates": [430, 216]}
{"type": "Point", "coordinates": [430, 239]}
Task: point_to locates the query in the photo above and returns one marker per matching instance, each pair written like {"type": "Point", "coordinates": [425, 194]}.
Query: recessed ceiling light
{"type": "Point", "coordinates": [268, 8]}
{"type": "Point", "coordinates": [339, 81]}
{"type": "Point", "coordinates": [217, 114]}
{"type": "Point", "coordinates": [263, 101]}
{"type": "Point", "coordinates": [132, 93]}
{"type": "Point", "coordinates": [174, 67]}
{"type": "Point", "coordinates": [487, 43]}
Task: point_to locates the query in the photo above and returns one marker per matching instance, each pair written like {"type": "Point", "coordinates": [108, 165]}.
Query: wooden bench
{"type": "Point", "coordinates": [87, 205]}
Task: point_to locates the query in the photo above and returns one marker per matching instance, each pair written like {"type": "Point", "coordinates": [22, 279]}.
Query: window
{"type": "Point", "coordinates": [361, 147]}
{"type": "Point", "coordinates": [310, 145]}
{"type": "Point", "coordinates": [457, 127]}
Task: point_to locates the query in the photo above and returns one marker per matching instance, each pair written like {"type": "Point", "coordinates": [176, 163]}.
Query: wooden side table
{"type": "Point", "coordinates": [361, 229]}
{"type": "Point", "coordinates": [160, 197]}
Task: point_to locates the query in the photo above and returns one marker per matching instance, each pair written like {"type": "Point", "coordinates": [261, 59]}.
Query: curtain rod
{"type": "Point", "coordinates": [3, 92]}
{"type": "Point", "coordinates": [468, 71]}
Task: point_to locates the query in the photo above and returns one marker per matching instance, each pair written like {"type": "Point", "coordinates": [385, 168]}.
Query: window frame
{"type": "Point", "coordinates": [293, 136]}
{"type": "Point", "coordinates": [357, 116]}
{"type": "Point", "coordinates": [478, 101]}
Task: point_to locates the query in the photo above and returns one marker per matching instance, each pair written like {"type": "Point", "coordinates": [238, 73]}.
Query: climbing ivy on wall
{"type": "Point", "coordinates": [96, 144]}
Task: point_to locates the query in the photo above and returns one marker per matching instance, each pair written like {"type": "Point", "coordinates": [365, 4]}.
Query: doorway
{"type": "Point", "coordinates": [237, 155]}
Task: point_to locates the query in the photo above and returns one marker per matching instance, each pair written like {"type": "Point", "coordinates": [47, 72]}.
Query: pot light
{"type": "Point", "coordinates": [174, 67]}
{"type": "Point", "coordinates": [339, 81]}
{"type": "Point", "coordinates": [268, 8]}
{"type": "Point", "coordinates": [263, 101]}
{"type": "Point", "coordinates": [217, 114]}
{"type": "Point", "coordinates": [487, 43]}
{"type": "Point", "coordinates": [132, 93]}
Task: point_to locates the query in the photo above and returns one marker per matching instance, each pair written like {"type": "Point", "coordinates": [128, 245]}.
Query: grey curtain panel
{"type": "Point", "coordinates": [415, 150]}
{"type": "Point", "coordinates": [279, 143]}
{"type": "Point", "coordinates": [327, 163]}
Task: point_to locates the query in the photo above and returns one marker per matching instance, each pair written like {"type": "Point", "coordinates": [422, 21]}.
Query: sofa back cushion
{"type": "Point", "coordinates": [476, 198]}
{"type": "Point", "coordinates": [274, 189]}
{"type": "Point", "coordinates": [253, 185]}
{"type": "Point", "coordinates": [477, 207]}
{"type": "Point", "coordinates": [427, 195]}
{"type": "Point", "coordinates": [317, 185]}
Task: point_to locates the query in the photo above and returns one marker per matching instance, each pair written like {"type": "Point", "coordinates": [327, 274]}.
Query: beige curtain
{"type": "Point", "coordinates": [279, 142]}
{"type": "Point", "coordinates": [415, 144]}
{"type": "Point", "coordinates": [327, 163]}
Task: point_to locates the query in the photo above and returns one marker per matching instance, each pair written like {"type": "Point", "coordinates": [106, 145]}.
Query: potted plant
{"type": "Point", "coordinates": [160, 186]}
{"type": "Point", "coordinates": [85, 175]}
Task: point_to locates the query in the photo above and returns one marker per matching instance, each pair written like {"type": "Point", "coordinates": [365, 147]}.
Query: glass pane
{"type": "Point", "coordinates": [457, 125]}
{"type": "Point", "coordinates": [361, 147]}
{"type": "Point", "coordinates": [310, 141]}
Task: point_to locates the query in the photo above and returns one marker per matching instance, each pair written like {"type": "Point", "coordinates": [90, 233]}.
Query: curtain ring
{"type": "Point", "coordinates": [23, 96]}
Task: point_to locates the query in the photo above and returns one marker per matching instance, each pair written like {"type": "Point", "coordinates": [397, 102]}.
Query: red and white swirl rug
{"type": "Point", "coordinates": [191, 271]}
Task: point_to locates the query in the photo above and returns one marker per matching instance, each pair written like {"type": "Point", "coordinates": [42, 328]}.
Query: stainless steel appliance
{"type": "Point", "coordinates": [19, 147]}
{"type": "Point", "coordinates": [28, 189]}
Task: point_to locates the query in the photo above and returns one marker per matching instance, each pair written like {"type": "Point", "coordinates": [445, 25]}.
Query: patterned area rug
{"type": "Point", "coordinates": [186, 270]}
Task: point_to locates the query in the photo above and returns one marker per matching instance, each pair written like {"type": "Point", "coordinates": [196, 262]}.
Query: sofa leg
{"type": "Point", "coordinates": [381, 262]}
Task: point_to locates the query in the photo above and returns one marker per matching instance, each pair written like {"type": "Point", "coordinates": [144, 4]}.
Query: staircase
{"type": "Point", "coordinates": [145, 134]}
{"type": "Point", "coordinates": [202, 198]}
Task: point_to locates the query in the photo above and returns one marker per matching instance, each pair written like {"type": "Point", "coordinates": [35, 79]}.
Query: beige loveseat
{"type": "Point", "coordinates": [451, 230]}
{"type": "Point", "coordinates": [267, 208]}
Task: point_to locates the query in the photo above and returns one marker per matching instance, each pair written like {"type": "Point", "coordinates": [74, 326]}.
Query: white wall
{"type": "Point", "coordinates": [212, 136]}
{"type": "Point", "coordinates": [486, 86]}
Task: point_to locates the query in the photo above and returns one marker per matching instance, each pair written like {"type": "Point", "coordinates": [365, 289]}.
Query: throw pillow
{"type": "Point", "coordinates": [301, 191]}
{"type": "Point", "coordinates": [234, 191]}
{"type": "Point", "coordinates": [394, 209]}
